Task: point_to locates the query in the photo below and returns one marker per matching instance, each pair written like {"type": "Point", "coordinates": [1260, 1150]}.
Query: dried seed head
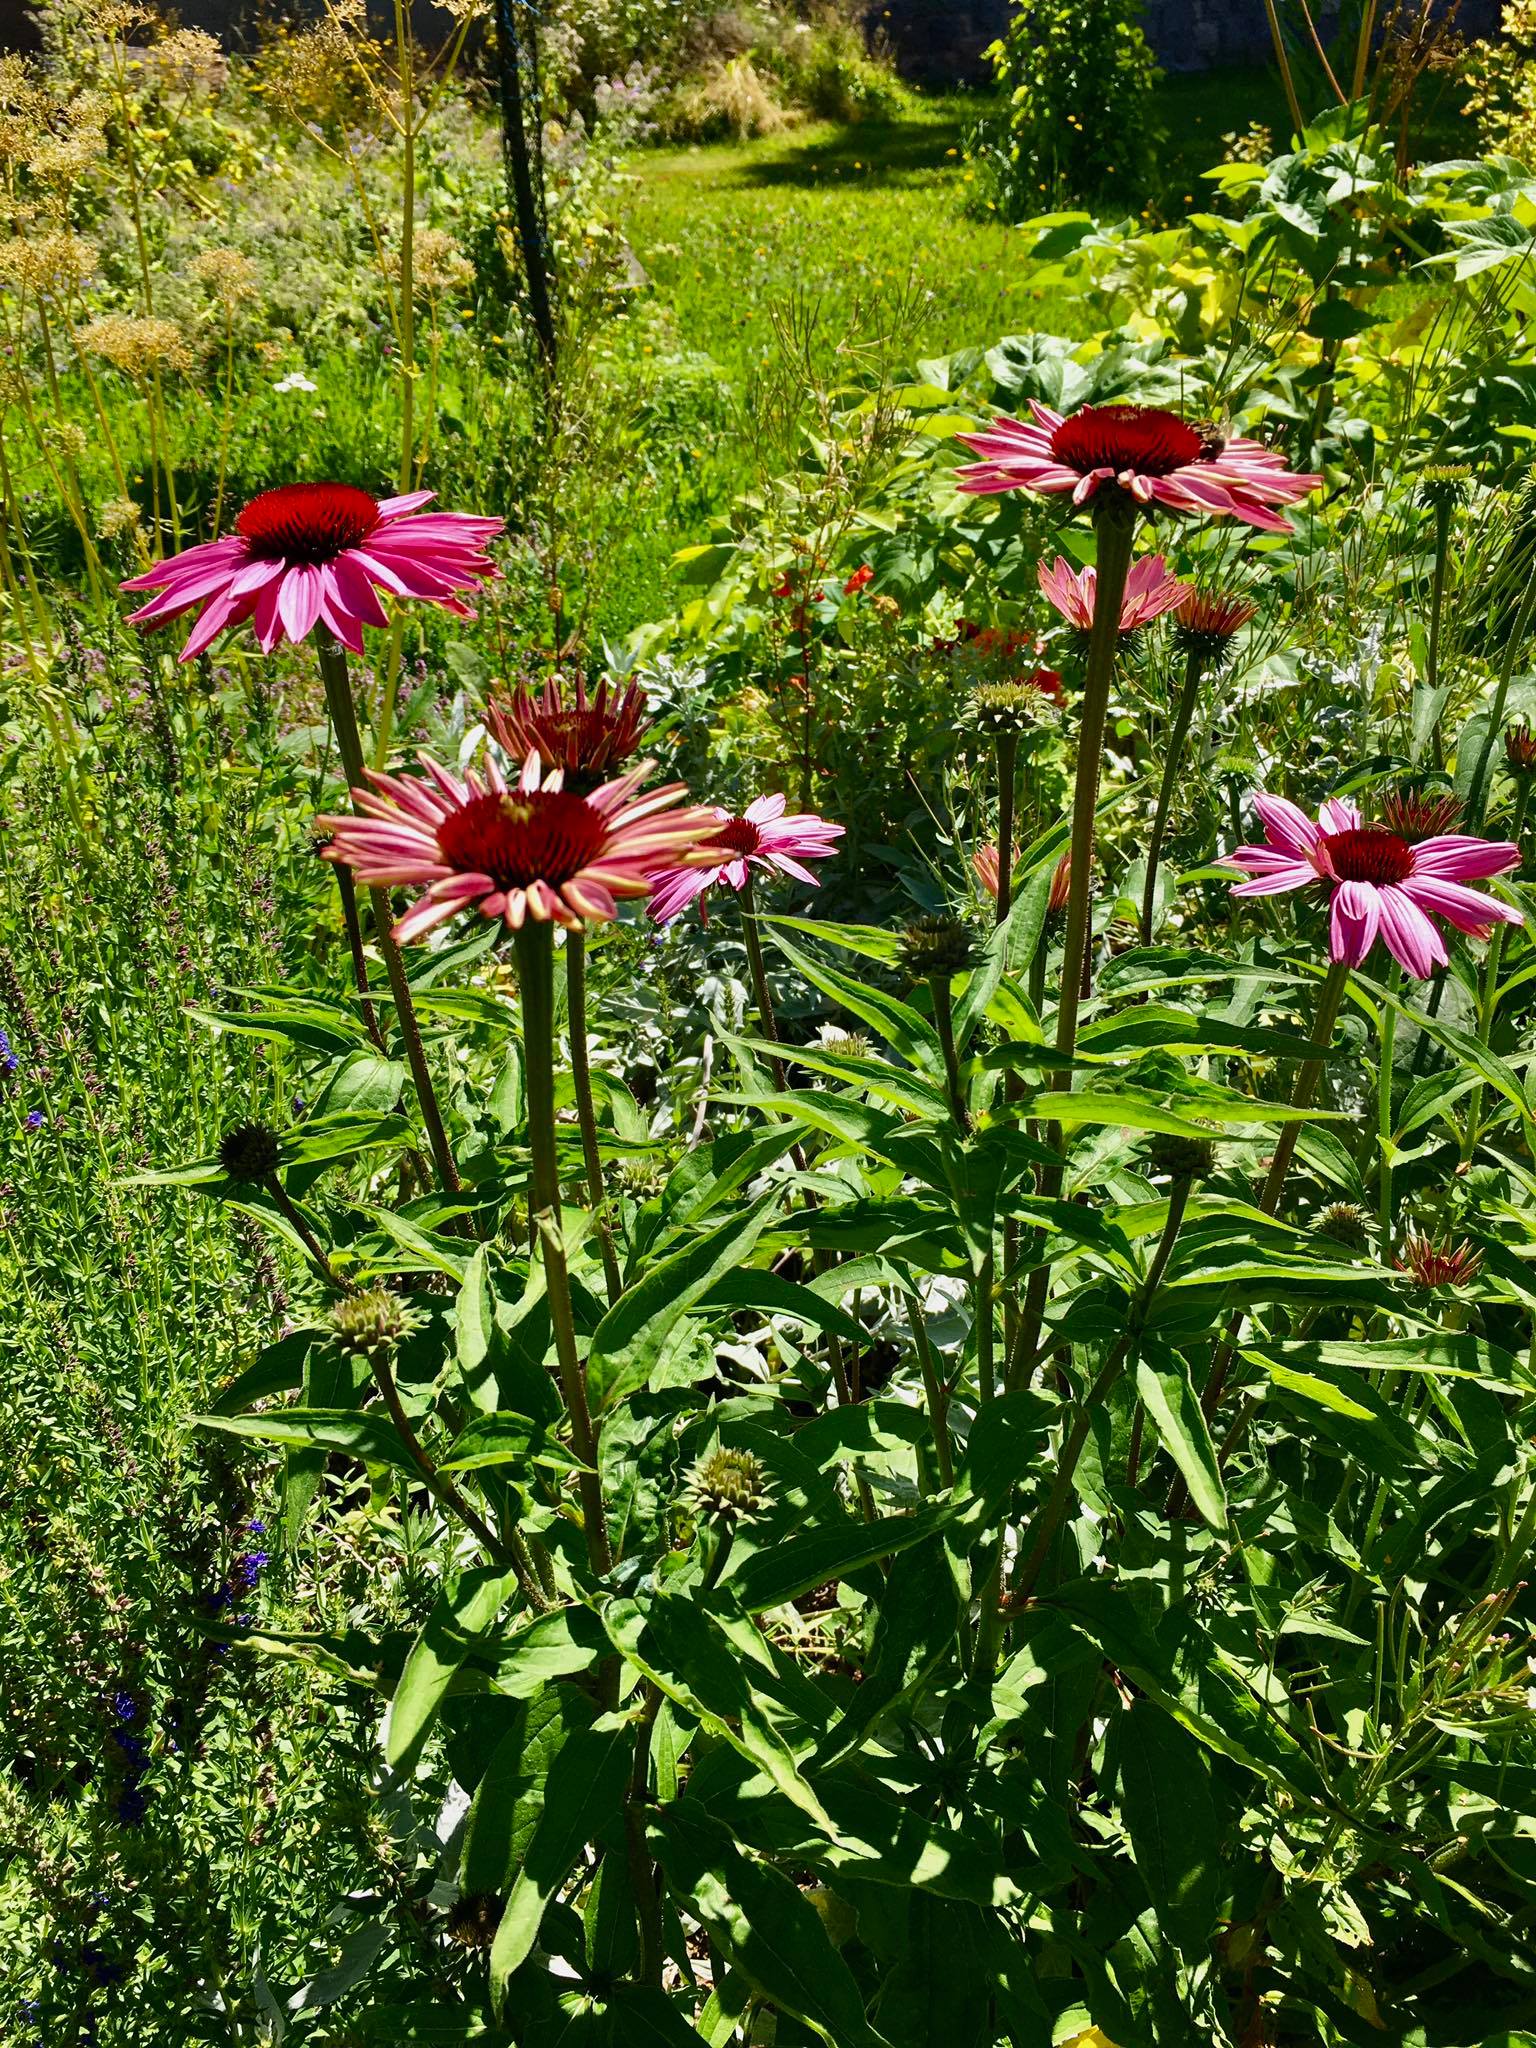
{"type": "Point", "coordinates": [935, 948]}
{"type": "Point", "coordinates": [373, 1323]}
{"type": "Point", "coordinates": [119, 519]}
{"type": "Point", "coordinates": [728, 1487]}
{"type": "Point", "coordinates": [230, 276]}
{"type": "Point", "coordinates": [135, 345]}
{"type": "Point", "coordinates": [250, 1153]}
{"type": "Point", "coordinates": [474, 1918]}
{"type": "Point", "coordinates": [54, 264]}
{"type": "Point", "coordinates": [438, 264]}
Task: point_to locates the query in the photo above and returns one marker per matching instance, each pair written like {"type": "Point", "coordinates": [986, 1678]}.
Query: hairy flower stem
{"type": "Point", "coordinates": [642, 1871]}
{"type": "Point", "coordinates": [1007, 779]}
{"type": "Point", "coordinates": [759, 974]}
{"type": "Point", "coordinates": [581, 1076]}
{"type": "Point", "coordinates": [1477, 795]}
{"type": "Point", "coordinates": [1488, 999]}
{"type": "Point", "coordinates": [934, 1391]}
{"type": "Point", "coordinates": [1386, 1046]}
{"type": "Point", "coordinates": [294, 1218]}
{"type": "Point", "coordinates": [944, 1024]}
{"type": "Point", "coordinates": [1115, 525]}
{"type": "Point", "coordinates": [346, 890]}
{"type": "Point", "coordinates": [1443, 511]}
{"type": "Point", "coordinates": [1055, 1508]}
{"type": "Point", "coordinates": [1329, 1002]}
{"type": "Point", "coordinates": [1194, 668]}
{"type": "Point", "coordinates": [535, 973]}
{"type": "Point", "coordinates": [338, 697]}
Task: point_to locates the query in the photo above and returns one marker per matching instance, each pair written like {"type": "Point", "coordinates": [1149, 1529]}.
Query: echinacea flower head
{"type": "Point", "coordinates": [1520, 749]}
{"type": "Point", "coordinates": [1157, 459]}
{"type": "Point", "coordinates": [1415, 814]}
{"type": "Point", "coordinates": [319, 554]}
{"type": "Point", "coordinates": [589, 737]}
{"type": "Point", "coordinates": [1346, 1224]}
{"type": "Point", "coordinates": [1149, 592]}
{"type": "Point", "coordinates": [1207, 621]}
{"type": "Point", "coordinates": [250, 1153]}
{"type": "Point", "coordinates": [1439, 1265]}
{"type": "Point", "coordinates": [936, 948]}
{"type": "Point", "coordinates": [1443, 485]}
{"type": "Point", "coordinates": [762, 837]}
{"type": "Point", "coordinates": [1377, 882]}
{"type": "Point", "coordinates": [532, 849]}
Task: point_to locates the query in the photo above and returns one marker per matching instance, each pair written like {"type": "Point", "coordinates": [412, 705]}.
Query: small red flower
{"type": "Point", "coordinates": [857, 581]}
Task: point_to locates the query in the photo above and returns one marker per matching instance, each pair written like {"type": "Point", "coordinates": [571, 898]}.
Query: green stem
{"type": "Point", "coordinates": [759, 974]}
{"type": "Point", "coordinates": [535, 973]}
{"type": "Point", "coordinates": [642, 1871]}
{"type": "Point", "coordinates": [1007, 776]}
{"type": "Point", "coordinates": [1054, 1511]}
{"type": "Point", "coordinates": [1436, 603]}
{"type": "Point", "coordinates": [1329, 1002]}
{"type": "Point", "coordinates": [338, 697]}
{"type": "Point", "coordinates": [295, 1220]}
{"type": "Point", "coordinates": [347, 891]}
{"type": "Point", "coordinates": [586, 1117]}
{"type": "Point", "coordinates": [933, 1390]}
{"type": "Point", "coordinates": [1115, 525]}
{"type": "Point", "coordinates": [1178, 733]}
{"type": "Point", "coordinates": [1488, 999]}
{"type": "Point", "coordinates": [944, 1024]}
{"type": "Point", "coordinates": [1477, 796]}
{"type": "Point", "coordinates": [1387, 1041]}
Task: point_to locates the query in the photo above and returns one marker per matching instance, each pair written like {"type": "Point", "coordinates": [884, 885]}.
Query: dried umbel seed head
{"type": "Point", "coordinates": [1181, 1158]}
{"type": "Point", "coordinates": [439, 266]}
{"type": "Point", "coordinates": [728, 1488]}
{"type": "Point", "coordinates": [935, 949]}
{"type": "Point", "coordinates": [1415, 814]}
{"type": "Point", "coordinates": [56, 263]}
{"type": "Point", "coordinates": [372, 1324]}
{"type": "Point", "coordinates": [1520, 748]}
{"type": "Point", "coordinates": [474, 1918]}
{"type": "Point", "coordinates": [1439, 1265]}
{"type": "Point", "coordinates": [136, 346]}
{"type": "Point", "coordinates": [1017, 705]}
{"type": "Point", "coordinates": [119, 519]}
{"type": "Point", "coordinates": [1443, 485]}
{"type": "Point", "coordinates": [250, 1153]}
{"type": "Point", "coordinates": [1345, 1223]}
{"type": "Point", "coordinates": [232, 278]}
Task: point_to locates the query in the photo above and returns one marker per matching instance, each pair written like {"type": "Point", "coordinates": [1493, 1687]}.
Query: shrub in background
{"type": "Point", "coordinates": [1079, 77]}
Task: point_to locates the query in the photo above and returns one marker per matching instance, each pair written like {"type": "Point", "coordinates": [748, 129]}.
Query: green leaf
{"type": "Point", "coordinates": [279, 1369]}
{"type": "Point", "coordinates": [915, 1629]}
{"type": "Point", "coordinates": [904, 1029]}
{"type": "Point", "coordinates": [510, 1796]}
{"type": "Point", "coordinates": [507, 1439]}
{"type": "Point", "coordinates": [344, 1432]}
{"type": "Point", "coordinates": [1171, 1816]}
{"type": "Point", "coordinates": [630, 1337]}
{"type": "Point", "coordinates": [789, 1569]}
{"type": "Point", "coordinates": [550, 1646]}
{"type": "Point", "coordinates": [462, 1614]}
{"type": "Point", "coordinates": [1163, 1382]}
{"type": "Point", "coordinates": [757, 1287]}
{"type": "Point", "coordinates": [768, 1929]}
{"type": "Point", "coordinates": [583, 1797]}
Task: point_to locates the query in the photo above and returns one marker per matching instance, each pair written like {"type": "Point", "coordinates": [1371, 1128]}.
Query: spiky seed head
{"type": "Point", "coordinates": [1016, 705]}
{"type": "Point", "coordinates": [935, 948]}
{"type": "Point", "coordinates": [728, 1487]}
{"type": "Point", "coordinates": [372, 1324]}
{"type": "Point", "coordinates": [1347, 1224]}
{"type": "Point", "coordinates": [250, 1152]}
{"type": "Point", "coordinates": [1181, 1158]}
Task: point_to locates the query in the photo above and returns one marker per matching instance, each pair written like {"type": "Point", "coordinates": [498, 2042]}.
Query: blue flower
{"type": "Point", "coordinates": [8, 1060]}
{"type": "Point", "coordinates": [124, 1705]}
{"type": "Point", "coordinates": [34, 1119]}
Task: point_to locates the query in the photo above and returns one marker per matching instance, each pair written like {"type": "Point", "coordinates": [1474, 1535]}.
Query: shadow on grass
{"type": "Point", "coordinates": [908, 150]}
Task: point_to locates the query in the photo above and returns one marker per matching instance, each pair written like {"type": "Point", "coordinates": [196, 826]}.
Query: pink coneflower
{"type": "Point", "coordinates": [1149, 592]}
{"type": "Point", "coordinates": [1415, 814]}
{"type": "Point", "coordinates": [530, 850]}
{"type": "Point", "coordinates": [1442, 1265]}
{"type": "Point", "coordinates": [762, 837]}
{"type": "Point", "coordinates": [1154, 456]}
{"type": "Point", "coordinates": [589, 737]}
{"type": "Point", "coordinates": [1379, 884]}
{"type": "Point", "coordinates": [1206, 621]}
{"type": "Point", "coordinates": [319, 554]}
{"type": "Point", "coordinates": [984, 861]}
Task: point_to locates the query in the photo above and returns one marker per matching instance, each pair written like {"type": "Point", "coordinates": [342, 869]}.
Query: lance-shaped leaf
{"type": "Point", "coordinates": [768, 1929]}
{"type": "Point", "coordinates": [344, 1432]}
{"type": "Point", "coordinates": [461, 1615]}
{"type": "Point", "coordinates": [1163, 1382]}
{"type": "Point", "coordinates": [1171, 1815]}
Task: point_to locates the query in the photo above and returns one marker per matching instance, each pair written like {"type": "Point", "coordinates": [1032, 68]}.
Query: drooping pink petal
{"type": "Point", "coordinates": [1409, 935]}
{"type": "Point", "coordinates": [1453, 857]}
{"type": "Point", "coordinates": [1354, 921]}
{"type": "Point", "coordinates": [1467, 909]}
{"type": "Point", "coordinates": [1285, 824]}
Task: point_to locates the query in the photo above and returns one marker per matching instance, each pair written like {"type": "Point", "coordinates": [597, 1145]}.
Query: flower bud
{"type": "Point", "coordinates": [935, 948]}
{"type": "Point", "coordinates": [1346, 1224]}
{"type": "Point", "coordinates": [728, 1487]}
{"type": "Point", "coordinates": [1181, 1158]}
{"type": "Point", "coordinates": [372, 1324]}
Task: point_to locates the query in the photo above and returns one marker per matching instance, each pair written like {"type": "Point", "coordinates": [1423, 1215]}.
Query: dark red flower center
{"type": "Point", "coordinates": [1121, 437]}
{"type": "Point", "coordinates": [1368, 853]}
{"type": "Point", "coordinates": [523, 836]}
{"type": "Point", "coordinates": [740, 835]}
{"type": "Point", "coordinates": [311, 523]}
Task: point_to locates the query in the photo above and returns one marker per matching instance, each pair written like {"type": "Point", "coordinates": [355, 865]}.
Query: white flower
{"type": "Point", "coordinates": [295, 381]}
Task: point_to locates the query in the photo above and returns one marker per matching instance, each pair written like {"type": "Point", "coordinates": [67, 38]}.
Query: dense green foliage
{"type": "Point", "coordinates": [945, 1530]}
